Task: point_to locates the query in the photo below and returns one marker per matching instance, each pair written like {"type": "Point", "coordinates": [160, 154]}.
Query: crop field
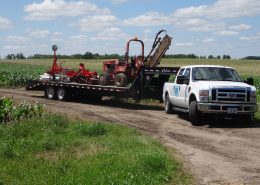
{"type": "Point", "coordinates": [14, 73]}
{"type": "Point", "coordinates": [31, 68]}
{"type": "Point", "coordinates": [244, 67]}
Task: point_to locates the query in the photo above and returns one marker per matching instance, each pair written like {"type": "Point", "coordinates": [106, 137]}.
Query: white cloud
{"type": "Point", "coordinates": [40, 33]}
{"type": "Point", "coordinates": [17, 39]}
{"type": "Point", "coordinates": [78, 37]}
{"type": "Point", "coordinates": [240, 27]}
{"type": "Point", "coordinates": [51, 9]}
{"type": "Point", "coordinates": [222, 9]}
{"type": "Point", "coordinates": [199, 25]}
{"type": "Point", "coordinates": [97, 22]}
{"type": "Point", "coordinates": [227, 33]}
{"type": "Point", "coordinates": [208, 40]}
{"type": "Point", "coordinates": [251, 37]}
{"type": "Point", "coordinates": [56, 33]}
{"type": "Point", "coordinates": [184, 44]}
{"type": "Point", "coordinates": [108, 34]}
{"type": "Point", "coordinates": [15, 47]}
{"type": "Point", "coordinates": [5, 23]}
{"type": "Point", "coordinates": [147, 31]}
{"type": "Point", "coordinates": [148, 19]}
{"type": "Point", "coordinates": [119, 1]}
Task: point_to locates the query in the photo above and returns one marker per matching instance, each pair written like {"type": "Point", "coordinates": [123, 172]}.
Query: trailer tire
{"type": "Point", "coordinates": [121, 80]}
{"type": "Point", "coordinates": [194, 114]}
{"type": "Point", "coordinates": [103, 79]}
{"type": "Point", "coordinates": [62, 94]}
{"type": "Point", "coordinates": [51, 93]}
{"type": "Point", "coordinates": [167, 104]}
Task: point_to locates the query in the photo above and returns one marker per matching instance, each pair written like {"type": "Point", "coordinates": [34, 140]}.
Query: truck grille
{"type": "Point", "coordinates": [230, 95]}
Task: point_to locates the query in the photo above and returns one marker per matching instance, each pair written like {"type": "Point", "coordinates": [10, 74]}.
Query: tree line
{"type": "Point", "coordinates": [89, 55]}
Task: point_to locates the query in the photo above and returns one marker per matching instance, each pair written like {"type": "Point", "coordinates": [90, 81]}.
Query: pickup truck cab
{"type": "Point", "coordinates": [210, 89]}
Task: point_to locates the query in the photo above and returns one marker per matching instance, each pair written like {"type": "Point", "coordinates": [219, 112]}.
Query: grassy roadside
{"type": "Point", "coordinates": [55, 150]}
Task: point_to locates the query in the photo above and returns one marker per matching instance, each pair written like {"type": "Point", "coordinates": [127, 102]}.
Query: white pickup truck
{"type": "Point", "coordinates": [210, 90]}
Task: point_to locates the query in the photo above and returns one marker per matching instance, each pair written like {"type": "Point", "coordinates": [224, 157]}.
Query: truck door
{"type": "Point", "coordinates": [180, 89]}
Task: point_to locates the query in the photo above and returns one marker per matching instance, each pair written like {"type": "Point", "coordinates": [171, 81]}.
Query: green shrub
{"type": "Point", "coordinates": [9, 112]}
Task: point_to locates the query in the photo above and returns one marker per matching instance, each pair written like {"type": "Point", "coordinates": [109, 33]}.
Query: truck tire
{"type": "Point", "coordinates": [194, 114]}
{"type": "Point", "coordinates": [249, 119]}
{"type": "Point", "coordinates": [62, 94]}
{"type": "Point", "coordinates": [167, 105]}
{"type": "Point", "coordinates": [121, 80]}
{"type": "Point", "coordinates": [104, 79]}
{"type": "Point", "coordinates": [51, 92]}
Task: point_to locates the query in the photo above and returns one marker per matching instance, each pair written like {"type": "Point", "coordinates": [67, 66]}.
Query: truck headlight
{"type": "Point", "coordinates": [204, 95]}
{"type": "Point", "coordinates": [253, 96]}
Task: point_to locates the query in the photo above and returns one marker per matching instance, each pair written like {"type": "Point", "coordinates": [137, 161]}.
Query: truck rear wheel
{"type": "Point", "coordinates": [51, 92]}
{"type": "Point", "coordinates": [62, 94]}
{"type": "Point", "coordinates": [194, 114]}
{"type": "Point", "coordinates": [167, 105]}
{"type": "Point", "coordinates": [121, 80]}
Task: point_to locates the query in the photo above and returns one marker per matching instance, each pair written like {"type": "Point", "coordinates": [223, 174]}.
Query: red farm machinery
{"type": "Point", "coordinates": [133, 77]}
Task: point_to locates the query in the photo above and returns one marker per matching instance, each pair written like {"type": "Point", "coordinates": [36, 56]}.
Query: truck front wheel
{"type": "Point", "coordinates": [167, 105]}
{"type": "Point", "coordinates": [194, 114]}
{"type": "Point", "coordinates": [249, 118]}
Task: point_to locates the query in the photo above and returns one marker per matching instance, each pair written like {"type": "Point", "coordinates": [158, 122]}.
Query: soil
{"type": "Point", "coordinates": [219, 152]}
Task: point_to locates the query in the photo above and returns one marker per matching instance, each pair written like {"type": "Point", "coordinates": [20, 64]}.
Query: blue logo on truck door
{"type": "Point", "coordinates": [176, 90]}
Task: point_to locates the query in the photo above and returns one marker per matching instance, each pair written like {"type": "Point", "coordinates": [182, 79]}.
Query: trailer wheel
{"type": "Point", "coordinates": [194, 114]}
{"type": "Point", "coordinates": [121, 80]}
{"type": "Point", "coordinates": [103, 79]}
{"type": "Point", "coordinates": [167, 105]}
{"type": "Point", "coordinates": [51, 92]}
{"type": "Point", "coordinates": [62, 94]}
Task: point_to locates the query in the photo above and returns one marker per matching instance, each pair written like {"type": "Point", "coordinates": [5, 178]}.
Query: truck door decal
{"type": "Point", "coordinates": [176, 90]}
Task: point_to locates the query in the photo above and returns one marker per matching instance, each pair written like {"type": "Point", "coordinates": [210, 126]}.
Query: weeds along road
{"type": "Point", "coordinates": [223, 153]}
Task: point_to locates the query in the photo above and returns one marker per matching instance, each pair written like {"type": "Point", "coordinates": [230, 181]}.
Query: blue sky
{"type": "Point", "coordinates": [202, 27]}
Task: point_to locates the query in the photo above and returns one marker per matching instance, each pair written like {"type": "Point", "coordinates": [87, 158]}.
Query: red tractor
{"type": "Point", "coordinates": [120, 73]}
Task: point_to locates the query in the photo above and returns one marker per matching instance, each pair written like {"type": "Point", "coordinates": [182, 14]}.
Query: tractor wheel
{"type": "Point", "coordinates": [167, 105]}
{"type": "Point", "coordinates": [62, 94]}
{"type": "Point", "coordinates": [103, 79]}
{"type": "Point", "coordinates": [51, 92]}
{"type": "Point", "coordinates": [121, 80]}
{"type": "Point", "coordinates": [194, 114]}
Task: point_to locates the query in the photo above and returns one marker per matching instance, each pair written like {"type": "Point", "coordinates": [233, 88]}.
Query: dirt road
{"type": "Point", "coordinates": [223, 153]}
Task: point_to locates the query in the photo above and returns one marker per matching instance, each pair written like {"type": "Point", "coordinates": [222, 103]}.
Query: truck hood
{"type": "Point", "coordinates": [225, 84]}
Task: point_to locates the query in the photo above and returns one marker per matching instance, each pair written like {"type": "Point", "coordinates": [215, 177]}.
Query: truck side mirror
{"type": "Point", "coordinates": [249, 81]}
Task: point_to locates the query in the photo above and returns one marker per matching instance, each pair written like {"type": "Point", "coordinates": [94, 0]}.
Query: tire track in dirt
{"type": "Point", "coordinates": [223, 153]}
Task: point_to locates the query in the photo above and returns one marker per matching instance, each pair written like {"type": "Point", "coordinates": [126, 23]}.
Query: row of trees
{"type": "Point", "coordinates": [195, 56]}
{"type": "Point", "coordinates": [89, 55]}
{"type": "Point", "coordinates": [15, 56]}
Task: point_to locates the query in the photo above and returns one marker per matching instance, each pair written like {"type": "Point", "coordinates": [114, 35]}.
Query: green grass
{"type": "Point", "coordinates": [54, 150]}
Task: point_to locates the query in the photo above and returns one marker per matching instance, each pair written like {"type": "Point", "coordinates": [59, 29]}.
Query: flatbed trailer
{"type": "Point", "coordinates": [148, 84]}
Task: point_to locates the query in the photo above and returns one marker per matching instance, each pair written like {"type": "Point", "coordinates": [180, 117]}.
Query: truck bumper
{"type": "Point", "coordinates": [227, 108]}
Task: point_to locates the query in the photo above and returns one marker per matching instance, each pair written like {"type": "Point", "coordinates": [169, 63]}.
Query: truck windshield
{"type": "Point", "coordinates": [215, 74]}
